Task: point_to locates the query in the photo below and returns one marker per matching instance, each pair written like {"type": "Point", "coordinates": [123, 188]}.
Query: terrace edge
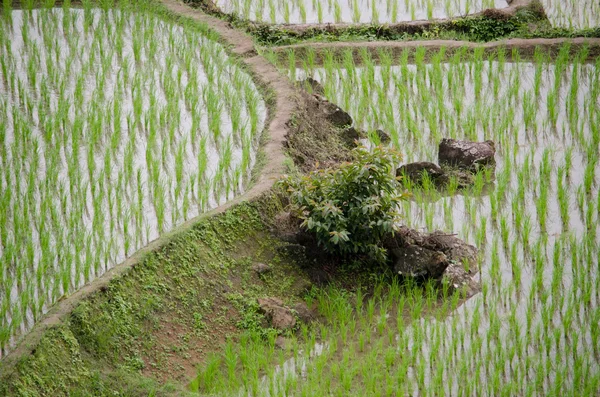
{"type": "Point", "coordinates": [526, 47]}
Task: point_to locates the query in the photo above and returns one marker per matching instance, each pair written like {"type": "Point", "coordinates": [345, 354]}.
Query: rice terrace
{"type": "Point", "coordinates": [300, 198]}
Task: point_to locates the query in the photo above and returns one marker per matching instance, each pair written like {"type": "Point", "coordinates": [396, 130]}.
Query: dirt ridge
{"type": "Point", "coordinates": [526, 46]}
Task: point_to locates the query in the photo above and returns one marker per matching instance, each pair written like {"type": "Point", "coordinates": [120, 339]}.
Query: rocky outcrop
{"type": "Point", "coordinates": [304, 313]}
{"type": "Point", "coordinates": [466, 155]}
{"type": "Point", "coordinates": [416, 172]}
{"type": "Point", "coordinates": [261, 268]}
{"type": "Point", "coordinates": [418, 262]}
{"type": "Point", "coordinates": [454, 248]}
{"type": "Point", "coordinates": [333, 113]}
{"type": "Point", "coordinates": [282, 317]}
{"type": "Point", "coordinates": [458, 161]}
{"type": "Point", "coordinates": [279, 316]}
{"type": "Point", "coordinates": [383, 136]}
{"type": "Point", "coordinates": [438, 256]}
{"type": "Point", "coordinates": [351, 135]}
{"type": "Point", "coordinates": [457, 278]}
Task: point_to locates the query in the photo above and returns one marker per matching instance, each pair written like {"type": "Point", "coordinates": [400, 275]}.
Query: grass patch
{"type": "Point", "coordinates": [165, 316]}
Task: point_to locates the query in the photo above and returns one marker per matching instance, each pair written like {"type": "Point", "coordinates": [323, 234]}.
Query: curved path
{"type": "Point", "coordinates": [265, 75]}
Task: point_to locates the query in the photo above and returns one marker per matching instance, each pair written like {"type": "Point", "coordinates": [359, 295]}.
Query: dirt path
{"type": "Point", "coordinates": [265, 74]}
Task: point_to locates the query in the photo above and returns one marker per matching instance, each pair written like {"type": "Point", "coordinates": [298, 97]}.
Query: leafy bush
{"type": "Point", "coordinates": [350, 208]}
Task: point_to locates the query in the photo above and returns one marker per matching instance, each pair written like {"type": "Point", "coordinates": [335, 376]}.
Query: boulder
{"type": "Point", "coordinates": [403, 237]}
{"type": "Point", "coordinates": [419, 262]}
{"type": "Point", "coordinates": [304, 313]}
{"type": "Point", "coordinates": [261, 268]}
{"type": "Point", "coordinates": [351, 135]}
{"type": "Point", "coordinates": [466, 154]}
{"type": "Point", "coordinates": [278, 315]}
{"type": "Point", "coordinates": [458, 279]}
{"type": "Point", "coordinates": [416, 171]}
{"type": "Point", "coordinates": [282, 343]}
{"type": "Point", "coordinates": [464, 178]}
{"type": "Point", "coordinates": [335, 115]}
{"type": "Point", "coordinates": [439, 256]}
{"type": "Point", "coordinates": [455, 249]}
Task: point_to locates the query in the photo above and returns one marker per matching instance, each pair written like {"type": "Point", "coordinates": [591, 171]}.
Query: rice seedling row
{"type": "Point", "coordinates": [115, 126]}
{"type": "Point", "coordinates": [356, 11]}
{"type": "Point", "coordinates": [533, 328]}
{"type": "Point", "coordinates": [573, 14]}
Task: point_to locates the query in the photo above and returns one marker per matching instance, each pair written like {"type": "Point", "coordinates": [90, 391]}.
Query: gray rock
{"type": "Point", "coordinates": [304, 313]}
{"type": "Point", "coordinates": [351, 135]}
{"type": "Point", "coordinates": [335, 115]}
{"type": "Point", "coordinates": [278, 315]}
{"type": "Point", "coordinates": [416, 171]}
{"type": "Point", "coordinates": [384, 137]}
{"type": "Point", "coordinates": [403, 237]}
{"type": "Point", "coordinates": [261, 268]}
{"type": "Point", "coordinates": [464, 178]}
{"type": "Point", "coordinates": [466, 154]}
{"type": "Point", "coordinates": [455, 249]}
{"type": "Point", "coordinates": [419, 262]}
{"type": "Point", "coordinates": [458, 279]}
{"type": "Point", "coordinates": [282, 343]}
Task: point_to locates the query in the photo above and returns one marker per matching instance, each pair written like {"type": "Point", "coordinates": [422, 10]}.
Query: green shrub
{"type": "Point", "coordinates": [350, 208]}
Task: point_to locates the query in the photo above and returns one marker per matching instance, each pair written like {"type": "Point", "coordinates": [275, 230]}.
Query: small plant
{"type": "Point", "coordinates": [350, 208]}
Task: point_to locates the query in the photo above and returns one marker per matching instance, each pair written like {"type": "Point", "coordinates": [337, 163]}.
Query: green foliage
{"type": "Point", "coordinates": [485, 29]}
{"type": "Point", "coordinates": [489, 26]}
{"type": "Point", "coordinates": [251, 318]}
{"type": "Point", "coordinates": [351, 208]}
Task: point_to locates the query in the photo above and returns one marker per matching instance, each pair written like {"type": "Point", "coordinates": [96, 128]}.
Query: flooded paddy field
{"type": "Point", "coordinates": [116, 126]}
{"type": "Point", "coordinates": [353, 11]}
{"type": "Point", "coordinates": [533, 330]}
{"type": "Point", "coordinates": [573, 14]}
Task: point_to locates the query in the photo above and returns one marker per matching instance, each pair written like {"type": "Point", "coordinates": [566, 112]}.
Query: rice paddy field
{"type": "Point", "coordinates": [119, 124]}
{"type": "Point", "coordinates": [573, 14]}
{"type": "Point", "coordinates": [533, 330]}
{"type": "Point", "coordinates": [116, 125]}
{"type": "Point", "coordinates": [355, 11]}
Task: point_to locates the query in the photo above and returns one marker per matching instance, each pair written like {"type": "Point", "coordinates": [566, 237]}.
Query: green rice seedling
{"type": "Point", "coordinates": [527, 166]}
{"type": "Point", "coordinates": [104, 137]}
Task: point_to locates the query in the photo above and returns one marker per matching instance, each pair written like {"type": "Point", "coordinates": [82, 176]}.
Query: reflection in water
{"type": "Point", "coordinates": [531, 330]}
{"type": "Point", "coordinates": [356, 11]}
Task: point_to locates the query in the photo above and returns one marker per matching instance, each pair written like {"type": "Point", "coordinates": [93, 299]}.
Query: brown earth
{"type": "Point", "coordinates": [524, 47]}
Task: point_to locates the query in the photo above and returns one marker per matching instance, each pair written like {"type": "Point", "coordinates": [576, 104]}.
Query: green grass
{"type": "Point", "coordinates": [179, 304]}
